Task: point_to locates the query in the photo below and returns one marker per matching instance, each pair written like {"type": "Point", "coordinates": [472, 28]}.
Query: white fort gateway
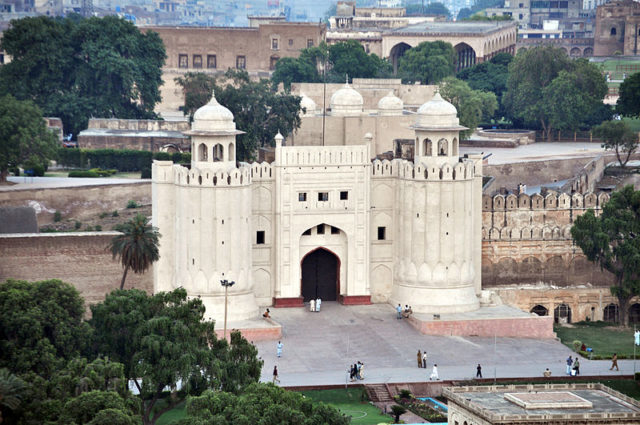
{"type": "Point", "coordinates": [322, 221]}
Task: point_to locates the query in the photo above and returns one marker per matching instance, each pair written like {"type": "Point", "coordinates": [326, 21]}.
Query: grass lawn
{"type": "Point", "coordinates": [348, 402]}
{"type": "Point", "coordinates": [172, 415]}
{"type": "Point", "coordinates": [605, 340]}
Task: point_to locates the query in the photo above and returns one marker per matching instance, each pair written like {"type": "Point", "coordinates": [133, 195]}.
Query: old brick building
{"type": "Point", "coordinates": [617, 28]}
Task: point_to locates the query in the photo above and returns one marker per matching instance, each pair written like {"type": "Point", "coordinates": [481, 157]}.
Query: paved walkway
{"type": "Point", "coordinates": [537, 151]}
{"type": "Point", "coordinates": [319, 347]}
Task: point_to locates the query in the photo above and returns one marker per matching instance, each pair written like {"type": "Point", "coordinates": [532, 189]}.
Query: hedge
{"type": "Point", "coordinates": [120, 159]}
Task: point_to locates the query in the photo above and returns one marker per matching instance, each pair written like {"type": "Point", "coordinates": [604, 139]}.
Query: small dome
{"type": "Point", "coordinates": [437, 113]}
{"type": "Point", "coordinates": [213, 117]}
{"type": "Point", "coordinates": [308, 104]}
{"type": "Point", "coordinates": [346, 101]}
{"type": "Point", "coordinates": [390, 105]}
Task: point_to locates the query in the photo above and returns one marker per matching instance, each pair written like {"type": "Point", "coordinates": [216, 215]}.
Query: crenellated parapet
{"type": "Point", "coordinates": [321, 156]}
{"type": "Point", "coordinates": [407, 170]}
{"type": "Point", "coordinates": [211, 178]}
{"type": "Point", "coordinates": [538, 202]}
{"type": "Point", "coordinates": [261, 171]}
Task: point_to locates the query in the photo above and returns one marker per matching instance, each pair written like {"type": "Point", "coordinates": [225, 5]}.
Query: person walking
{"type": "Point", "coordinates": [424, 359]}
{"type": "Point", "coordinates": [569, 363]}
{"type": "Point", "coordinates": [318, 304]}
{"type": "Point", "coordinates": [614, 362]}
{"type": "Point", "coordinates": [399, 310]}
{"type": "Point", "coordinates": [419, 358]}
{"type": "Point", "coordinates": [275, 375]}
{"type": "Point", "coordinates": [279, 349]}
{"type": "Point", "coordinates": [352, 373]}
{"type": "Point", "coordinates": [434, 373]}
{"type": "Point", "coordinates": [360, 370]}
{"type": "Point", "coordinates": [312, 305]}
{"type": "Point", "coordinates": [479, 371]}
{"type": "Point", "coordinates": [576, 366]}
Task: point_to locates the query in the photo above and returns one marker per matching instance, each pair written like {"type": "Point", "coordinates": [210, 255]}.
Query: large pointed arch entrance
{"type": "Point", "coordinates": [320, 275]}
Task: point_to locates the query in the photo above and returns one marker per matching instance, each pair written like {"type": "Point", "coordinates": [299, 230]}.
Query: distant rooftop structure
{"type": "Point", "coordinates": [584, 403]}
{"type": "Point", "coordinates": [452, 28]}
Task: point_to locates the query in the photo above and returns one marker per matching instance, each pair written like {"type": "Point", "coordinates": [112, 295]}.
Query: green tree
{"type": "Point", "coordinates": [348, 58]}
{"type": "Point", "coordinates": [482, 16]}
{"type": "Point", "coordinates": [163, 339]}
{"type": "Point", "coordinates": [429, 62]}
{"type": "Point", "coordinates": [289, 70]}
{"type": "Point", "coordinates": [473, 106]}
{"type": "Point", "coordinates": [24, 137]}
{"type": "Point", "coordinates": [436, 8]}
{"type": "Point", "coordinates": [629, 100]}
{"type": "Point", "coordinates": [263, 404]}
{"type": "Point", "coordinates": [618, 136]}
{"type": "Point", "coordinates": [397, 411]}
{"type": "Point", "coordinates": [136, 247]}
{"type": "Point", "coordinates": [12, 391]}
{"type": "Point", "coordinates": [77, 68]}
{"type": "Point", "coordinates": [257, 108]}
{"type": "Point", "coordinates": [490, 76]}
{"type": "Point", "coordinates": [547, 89]}
{"type": "Point", "coordinates": [611, 241]}
{"type": "Point", "coordinates": [41, 326]}
{"type": "Point", "coordinates": [94, 407]}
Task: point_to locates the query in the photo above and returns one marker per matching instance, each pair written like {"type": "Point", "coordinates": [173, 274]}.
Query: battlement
{"type": "Point", "coordinates": [464, 170]}
{"type": "Point", "coordinates": [538, 202]}
{"type": "Point", "coordinates": [261, 171]}
{"type": "Point", "coordinates": [323, 155]}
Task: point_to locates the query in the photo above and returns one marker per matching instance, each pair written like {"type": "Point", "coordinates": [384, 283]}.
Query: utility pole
{"type": "Point", "coordinates": [226, 283]}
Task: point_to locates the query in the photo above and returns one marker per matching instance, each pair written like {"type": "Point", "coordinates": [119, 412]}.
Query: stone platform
{"type": "Point", "coordinates": [501, 321]}
{"type": "Point", "coordinates": [253, 330]}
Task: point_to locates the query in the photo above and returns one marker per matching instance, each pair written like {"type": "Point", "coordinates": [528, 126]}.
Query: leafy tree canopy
{"type": "Point", "coordinates": [611, 241]}
{"type": "Point", "coordinates": [482, 16]}
{"type": "Point", "coordinates": [489, 76]}
{"type": "Point", "coordinates": [163, 339]}
{"type": "Point", "coordinates": [546, 89]}
{"type": "Point", "coordinates": [263, 404]}
{"type": "Point", "coordinates": [24, 137]}
{"type": "Point", "coordinates": [257, 108]}
{"type": "Point", "coordinates": [629, 101]}
{"type": "Point", "coordinates": [474, 106]}
{"type": "Point", "coordinates": [436, 8]}
{"type": "Point", "coordinates": [429, 62]}
{"type": "Point", "coordinates": [76, 68]}
{"type": "Point", "coordinates": [41, 326]}
{"type": "Point", "coordinates": [618, 136]}
{"type": "Point", "coordinates": [478, 6]}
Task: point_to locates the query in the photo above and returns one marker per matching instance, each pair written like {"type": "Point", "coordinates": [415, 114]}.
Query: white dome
{"type": "Point", "coordinates": [308, 104]}
{"type": "Point", "coordinates": [346, 101]}
{"type": "Point", "coordinates": [390, 105]}
{"type": "Point", "coordinates": [213, 117]}
{"type": "Point", "coordinates": [437, 113]}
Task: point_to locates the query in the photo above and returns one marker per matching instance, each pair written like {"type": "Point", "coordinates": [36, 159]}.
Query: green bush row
{"type": "Point", "coordinates": [119, 159]}
{"type": "Point", "coordinates": [594, 356]}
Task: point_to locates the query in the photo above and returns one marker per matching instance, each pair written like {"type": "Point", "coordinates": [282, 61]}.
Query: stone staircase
{"type": "Point", "coordinates": [378, 393]}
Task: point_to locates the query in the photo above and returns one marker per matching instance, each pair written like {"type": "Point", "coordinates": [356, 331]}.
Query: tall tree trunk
{"type": "Point", "coordinates": [124, 277]}
{"type": "Point", "coordinates": [3, 178]}
{"type": "Point", "coordinates": [623, 310]}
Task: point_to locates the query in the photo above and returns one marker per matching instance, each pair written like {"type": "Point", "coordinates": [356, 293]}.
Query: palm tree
{"type": "Point", "coordinates": [137, 245]}
{"type": "Point", "coordinates": [12, 390]}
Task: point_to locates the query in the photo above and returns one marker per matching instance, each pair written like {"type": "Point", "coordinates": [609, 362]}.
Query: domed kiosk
{"type": "Point", "coordinates": [390, 105]}
{"type": "Point", "coordinates": [346, 102]}
{"type": "Point", "coordinates": [308, 105]}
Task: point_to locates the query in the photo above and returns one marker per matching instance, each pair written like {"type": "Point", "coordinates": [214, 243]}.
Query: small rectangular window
{"type": "Point", "coordinates": [307, 232]}
{"type": "Point", "coordinates": [291, 42]}
{"type": "Point", "coordinates": [309, 42]}
{"type": "Point", "coordinates": [382, 233]}
{"type": "Point", "coordinates": [320, 229]}
{"type": "Point", "coordinates": [302, 197]}
{"type": "Point", "coordinates": [274, 44]}
{"type": "Point", "coordinates": [241, 62]}
{"type": "Point", "coordinates": [260, 237]}
{"type": "Point", "coordinates": [183, 61]}
{"type": "Point", "coordinates": [212, 61]}
{"type": "Point", "coordinates": [323, 196]}
{"type": "Point", "coordinates": [1, 58]}
{"type": "Point", "coordinates": [197, 61]}
{"type": "Point", "coordinates": [334, 230]}
{"type": "Point", "coordinates": [344, 195]}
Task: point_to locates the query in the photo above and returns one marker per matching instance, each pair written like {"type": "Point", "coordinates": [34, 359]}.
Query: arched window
{"type": "Point", "coordinates": [218, 153]}
{"type": "Point", "coordinates": [634, 313]}
{"type": "Point", "coordinates": [232, 152]}
{"type": "Point", "coordinates": [613, 31]}
{"type": "Point", "coordinates": [427, 147]}
{"type": "Point", "coordinates": [454, 145]}
{"type": "Point", "coordinates": [562, 314]}
{"type": "Point", "coordinates": [540, 310]}
{"type": "Point", "coordinates": [202, 153]}
{"type": "Point", "coordinates": [611, 313]}
{"type": "Point", "coordinates": [443, 147]}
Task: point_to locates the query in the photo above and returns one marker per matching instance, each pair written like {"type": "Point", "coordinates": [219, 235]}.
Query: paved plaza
{"type": "Point", "coordinates": [318, 348]}
{"type": "Point", "coordinates": [537, 152]}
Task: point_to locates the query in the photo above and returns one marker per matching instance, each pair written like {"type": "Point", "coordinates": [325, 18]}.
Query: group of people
{"type": "Point", "coordinates": [406, 313]}
{"type": "Point", "coordinates": [356, 371]}
{"type": "Point", "coordinates": [573, 366]}
{"type": "Point", "coordinates": [314, 305]}
{"type": "Point", "coordinates": [422, 359]}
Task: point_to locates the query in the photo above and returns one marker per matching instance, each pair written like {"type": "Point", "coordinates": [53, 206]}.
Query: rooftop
{"type": "Point", "coordinates": [545, 402]}
{"type": "Point", "coordinates": [452, 28]}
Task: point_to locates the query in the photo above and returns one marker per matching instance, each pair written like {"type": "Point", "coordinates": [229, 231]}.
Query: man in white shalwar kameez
{"type": "Point", "coordinates": [434, 373]}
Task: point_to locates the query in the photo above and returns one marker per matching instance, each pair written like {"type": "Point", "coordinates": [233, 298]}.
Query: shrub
{"type": "Point", "coordinates": [132, 204]}
{"type": "Point", "coordinates": [33, 169]}
{"type": "Point", "coordinates": [405, 394]}
{"type": "Point", "coordinates": [145, 173]}
{"type": "Point", "coordinates": [397, 412]}
{"type": "Point", "coordinates": [88, 229]}
{"type": "Point", "coordinates": [576, 345]}
{"type": "Point", "coordinates": [57, 216]}
{"type": "Point", "coordinates": [103, 173]}
{"type": "Point", "coordinates": [114, 213]}
{"type": "Point", "coordinates": [78, 225]}
{"type": "Point", "coordinates": [82, 174]}
{"type": "Point", "coordinates": [636, 376]}
{"type": "Point", "coordinates": [103, 215]}
{"type": "Point", "coordinates": [98, 228]}
{"type": "Point", "coordinates": [15, 171]}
